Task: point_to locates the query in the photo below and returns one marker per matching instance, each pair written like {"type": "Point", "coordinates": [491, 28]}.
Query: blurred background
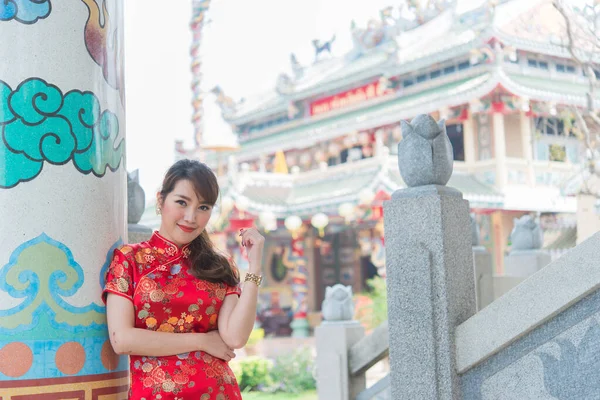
{"type": "Point", "coordinates": [296, 105]}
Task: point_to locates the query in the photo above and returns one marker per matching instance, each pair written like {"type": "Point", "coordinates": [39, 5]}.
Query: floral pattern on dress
{"type": "Point", "coordinates": [155, 276]}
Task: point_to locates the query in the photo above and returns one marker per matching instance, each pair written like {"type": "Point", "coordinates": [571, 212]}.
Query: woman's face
{"type": "Point", "coordinates": [183, 214]}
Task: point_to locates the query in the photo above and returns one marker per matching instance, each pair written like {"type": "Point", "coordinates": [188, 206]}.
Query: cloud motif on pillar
{"type": "Point", "coordinates": [24, 11]}
{"type": "Point", "coordinates": [425, 154]}
{"type": "Point", "coordinates": [39, 124]}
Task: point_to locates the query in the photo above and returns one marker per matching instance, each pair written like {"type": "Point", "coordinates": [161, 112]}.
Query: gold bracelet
{"type": "Point", "coordinates": [256, 279]}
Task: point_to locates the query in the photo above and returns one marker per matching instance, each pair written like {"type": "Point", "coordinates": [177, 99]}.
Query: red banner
{"type": "Point", "coordinates": [348, 98]}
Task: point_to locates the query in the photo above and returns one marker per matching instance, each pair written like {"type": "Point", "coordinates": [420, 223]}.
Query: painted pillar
{"type": "Point", "coordinates": [62, 195]}
{"type": "Point", "coordinates": [469, 138]}
{"type": "Point", "coordinates": [300, 326]}
{"type": "Point", "coordinates": [199, 8]}
{"type": "Point", "coordinates": [500, 150]}
{"type": "Point", "coordinates": [526, 142]}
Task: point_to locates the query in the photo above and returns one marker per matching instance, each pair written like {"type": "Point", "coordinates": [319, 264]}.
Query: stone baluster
{"type": "Point", "coordinates": [429, 265]}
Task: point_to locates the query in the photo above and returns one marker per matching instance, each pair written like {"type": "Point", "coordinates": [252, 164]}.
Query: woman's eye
{"type": "Point", "coordinates": [181, 202]}
{"type": "Point", "coordinates": [204, 208]}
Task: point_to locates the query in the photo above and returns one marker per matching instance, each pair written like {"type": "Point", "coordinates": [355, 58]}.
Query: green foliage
{"type": "Point", "coordinates": [373, 312]}
{"type": "Point", "coordinates": [293, 372]}
{"type": "Point", "coordinates": [256, 336]}
{"type": "Point", "coordinates": [290, 373]}
{"type": "Point", "coordinates": [253, 373]}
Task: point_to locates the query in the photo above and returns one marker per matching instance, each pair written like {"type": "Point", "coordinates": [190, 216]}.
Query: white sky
{"type": "Point", "coordinates": [246, 45]}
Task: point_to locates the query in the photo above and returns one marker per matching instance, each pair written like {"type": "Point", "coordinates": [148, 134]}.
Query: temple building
{"type": "Point", "coordinates": [316, 156]}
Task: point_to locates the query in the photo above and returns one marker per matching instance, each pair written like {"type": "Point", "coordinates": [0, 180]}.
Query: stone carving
{"type": "Point", "coordinates": [338, 304]}
{"type": "Point", "coordinates": [284, 84]}
{"type": "Point", "coordinates": [297, 68]}
{"type": "Point", "coordinates": [475, 233]}
{"type": "Point", "coordinates": [136, 198]}
{"type": "Point", "coordinates": [392, 22]}
{"type": "Point", "coordinates": [226, 103]}
{"type": "Point", "coordinates": [320, 48]}
{"type": "Point", "coordinates": [526, 235]}
{"type": "Point", "coordinates": [425, 154]}
{"type": "Point", "coordinates": [575, 374]}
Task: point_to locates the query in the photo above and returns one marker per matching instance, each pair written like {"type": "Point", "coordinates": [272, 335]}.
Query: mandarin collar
{"type": "Point", "coordinates": [170, 249]}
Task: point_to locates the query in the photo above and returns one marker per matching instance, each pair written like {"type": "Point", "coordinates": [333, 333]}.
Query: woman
{"type": "Point", "coordinates": [174, 303]}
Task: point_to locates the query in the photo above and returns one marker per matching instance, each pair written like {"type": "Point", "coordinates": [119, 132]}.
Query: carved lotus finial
{"type": "Point", "coordinates": [425, 153]}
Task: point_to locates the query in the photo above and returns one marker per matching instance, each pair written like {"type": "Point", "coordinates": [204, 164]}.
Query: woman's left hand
{"type": "Point", "coordinates": [254, 243]}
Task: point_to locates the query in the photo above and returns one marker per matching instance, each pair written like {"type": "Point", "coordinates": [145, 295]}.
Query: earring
{"type": "Point", "coordinates": [158, 211]}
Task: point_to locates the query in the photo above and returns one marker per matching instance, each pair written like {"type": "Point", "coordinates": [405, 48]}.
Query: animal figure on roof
{"type": "Point", "coordinates": [320, 48]}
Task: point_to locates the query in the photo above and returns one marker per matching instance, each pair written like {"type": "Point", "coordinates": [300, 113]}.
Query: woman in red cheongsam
{"type": "Point", "coordinates": [174, 303]}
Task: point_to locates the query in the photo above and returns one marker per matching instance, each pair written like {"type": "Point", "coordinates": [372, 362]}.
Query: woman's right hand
{"type": "Point", "coordinates": [216, 347]}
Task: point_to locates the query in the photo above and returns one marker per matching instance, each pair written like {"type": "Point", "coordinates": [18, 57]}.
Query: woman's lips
{"type": "Point", "coordinates": [186, 229]}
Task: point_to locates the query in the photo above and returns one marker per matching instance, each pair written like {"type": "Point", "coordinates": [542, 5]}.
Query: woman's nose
{"type": "Point", "coordinates": [189, 215]}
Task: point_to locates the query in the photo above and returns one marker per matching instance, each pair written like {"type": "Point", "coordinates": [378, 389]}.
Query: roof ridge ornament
{"type": "Point", "coordinates": [425, 154]}
{"type": "Point", "coordinates": [392, 22]}
{"type": "Point", "coordinates": [226, 103]}
{"type": "Point", "coordinates": [324, 47]}
{"type": "Point", "coordinates": [297, 68]}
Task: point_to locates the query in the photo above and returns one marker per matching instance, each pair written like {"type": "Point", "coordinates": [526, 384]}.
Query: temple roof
{"type": "Point", "coordinates": [324, 190]}
{"type": "Point", "coordinates": [454, 32]}
{"type": "Point", "coordinates": [465, 86]}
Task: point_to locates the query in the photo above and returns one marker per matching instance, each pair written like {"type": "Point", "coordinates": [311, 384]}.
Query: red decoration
{"type": "Point", "coordinates": [498, 107]}
{"type": "Point", "coordinates": [237, 224]}
{"type": "Point", "coordinates": [348, 98]}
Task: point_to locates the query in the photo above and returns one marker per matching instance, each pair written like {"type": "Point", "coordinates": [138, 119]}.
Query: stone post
{"type": "Point", "coordinates": [483, 267]}
{"type": "Point", "coordinates": [526, 256]}
{"type": "Point", "coordinates": [62, 196]}
{"type": "Point", "coordinates": [522, 263]}
{"type": "Point", "coordinates": [484, 276]}
{"type": "Point", "coordinates": [334, 338]}
{"type": "Point", "coordinates": [429, 264]}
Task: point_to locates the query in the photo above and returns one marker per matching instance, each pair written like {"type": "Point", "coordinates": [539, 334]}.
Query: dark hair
{"type": "Point", "coordinates": [206, 262]}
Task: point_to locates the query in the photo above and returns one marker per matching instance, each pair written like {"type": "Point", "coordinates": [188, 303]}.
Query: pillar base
{"type": "Point", "coordinates": [300, 328]}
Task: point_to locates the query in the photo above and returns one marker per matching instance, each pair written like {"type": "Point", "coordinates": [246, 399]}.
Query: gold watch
{"type": "Point", "coordinates": [256, 279]}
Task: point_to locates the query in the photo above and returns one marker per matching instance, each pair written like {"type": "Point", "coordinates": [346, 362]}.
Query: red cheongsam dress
{"type": "Point", "coordinates": [155, 276]}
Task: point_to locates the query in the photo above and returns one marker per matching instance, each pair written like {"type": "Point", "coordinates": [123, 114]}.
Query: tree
{"type": "Point", "coordinates": [581, 40]}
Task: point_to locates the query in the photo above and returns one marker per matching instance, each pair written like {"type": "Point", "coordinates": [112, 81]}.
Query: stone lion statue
{"type": "Point", "coordinates": [338, 304]}
{"type": "Point", "coordinates": [526, 235]}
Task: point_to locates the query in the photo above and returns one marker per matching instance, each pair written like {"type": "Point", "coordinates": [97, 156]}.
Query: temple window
{"type": "Point", "coordinates": [464, 65]}
{"type": "Point", "coordinates": [449, 70]}
{"type": "Point", "coordinates": [435, 74]}
{"type": "Point", "coordinates": [554, 127]}
{"type": "Point", "coordinates": [533, 63]}
{"type": "Point", "coordinates": [557, 152]}
{"type": "Point", "coordinates": [565, 68]}
{"type": "Point", "coordinates": [455, 133]}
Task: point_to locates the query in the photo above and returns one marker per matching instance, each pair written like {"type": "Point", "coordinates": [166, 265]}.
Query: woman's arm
{"type": "Point", "coordinates": [127, 339]}
{"type": "Point", "coordinates": [237, 316]}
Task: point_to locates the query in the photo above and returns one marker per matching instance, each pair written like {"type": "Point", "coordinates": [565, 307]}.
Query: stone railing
{"type": "Point", "coordinates": [537, 341]}
{"type": "Point", "coordinates": [344, 354]}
